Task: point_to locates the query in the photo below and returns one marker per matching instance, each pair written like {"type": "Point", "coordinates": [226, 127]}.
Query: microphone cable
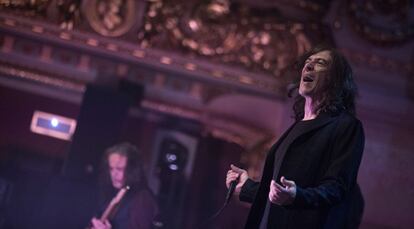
{"type": "Point", "coordinates": [232, 186]}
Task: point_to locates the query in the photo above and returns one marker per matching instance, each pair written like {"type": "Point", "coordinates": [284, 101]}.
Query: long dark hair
{"type": "Point", "coordinates": [340, 89]}
{"type": "Point", "coordinates": [134, 172]}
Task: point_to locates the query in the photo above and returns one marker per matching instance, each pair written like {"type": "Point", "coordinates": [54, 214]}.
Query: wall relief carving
{"type": "Point", "coordinates": [113, 18]}
{"type": "Point", "coordinates": [222, 31]}
{"type": "Point", "coordinates": [385, 22]}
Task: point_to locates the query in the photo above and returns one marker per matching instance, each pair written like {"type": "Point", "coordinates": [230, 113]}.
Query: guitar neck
{"type": "Point", "coordinates": [114, 202]}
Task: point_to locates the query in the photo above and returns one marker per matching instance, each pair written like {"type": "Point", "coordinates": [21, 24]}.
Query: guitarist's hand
{"type": "Point", "coordinates": [98, 224]}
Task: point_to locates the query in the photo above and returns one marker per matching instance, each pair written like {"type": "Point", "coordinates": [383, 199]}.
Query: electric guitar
{"type": "Point", "coordinates": [112, 206]}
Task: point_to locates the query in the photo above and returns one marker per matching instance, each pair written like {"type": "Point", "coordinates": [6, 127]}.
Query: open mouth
{"type": "Point", "coordinates": [307, 78]}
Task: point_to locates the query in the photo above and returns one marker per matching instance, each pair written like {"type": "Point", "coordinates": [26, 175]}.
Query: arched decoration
{"type": "Point", "coordinates": [113, 18]}
{"type": "Point", "coordinates": [385, 22]}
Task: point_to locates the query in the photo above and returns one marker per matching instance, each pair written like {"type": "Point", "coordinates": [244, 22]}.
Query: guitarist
{"type": "Point", "coordinates": [122, 167]}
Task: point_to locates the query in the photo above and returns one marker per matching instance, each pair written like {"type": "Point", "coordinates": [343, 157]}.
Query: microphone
{"type": "Point", "coordinates": [231, 190]}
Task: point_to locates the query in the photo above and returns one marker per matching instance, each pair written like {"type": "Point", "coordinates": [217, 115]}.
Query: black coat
{"type": "Point", "coordinates": [323, 160]}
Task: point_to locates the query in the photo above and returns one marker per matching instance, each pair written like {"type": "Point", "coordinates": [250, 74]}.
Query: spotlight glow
{"type": "Point", "coordinates": [54, 122]}
{"type": "Point", "coordinates": [171, 157]}
{"type": "Point", "coordinates": [173, 167]}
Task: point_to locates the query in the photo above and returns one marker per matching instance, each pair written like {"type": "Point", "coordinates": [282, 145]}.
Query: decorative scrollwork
{"type": "Point", "coordinates": [384, 21]}
{"type": "Point", "coordinates": [113, 18]}
{"type": "Point", "coordinates": [226, 32]}
{"type": "Point", "coordinates": [28, 7]}
{"type": "Point", "coordinates": [259, 40]}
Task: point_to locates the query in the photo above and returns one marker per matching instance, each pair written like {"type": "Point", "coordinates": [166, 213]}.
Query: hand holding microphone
{"type": "Point", "coordinates": [235, 179]}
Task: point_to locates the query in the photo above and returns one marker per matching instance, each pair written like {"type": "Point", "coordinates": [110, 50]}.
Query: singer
{"type": "Point", "coordinates": [121, 167]}
{"type": "Point", "coordinates": [309, 176]}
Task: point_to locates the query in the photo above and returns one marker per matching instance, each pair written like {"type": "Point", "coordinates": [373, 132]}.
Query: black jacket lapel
{"type": "Point", "coordinates": [320, 121]}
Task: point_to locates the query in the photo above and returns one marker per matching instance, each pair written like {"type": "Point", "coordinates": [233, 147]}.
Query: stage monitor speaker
{"type": "Point", "coordinates": [100, 123]}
